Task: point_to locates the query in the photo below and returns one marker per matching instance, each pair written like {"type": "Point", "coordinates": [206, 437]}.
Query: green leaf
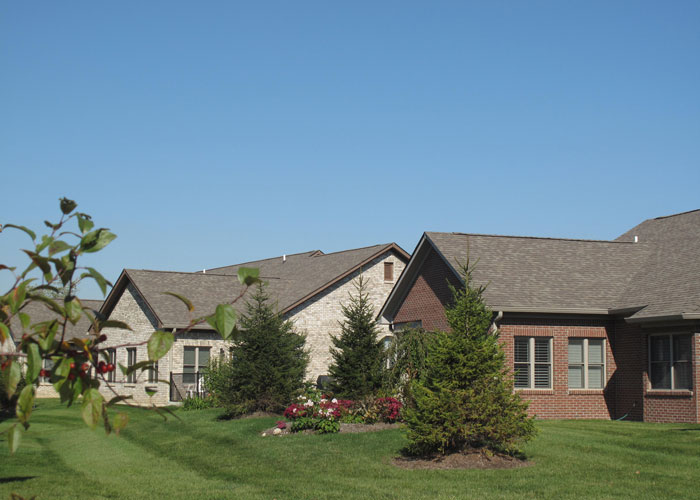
{"type": "Point", "coordinates": [111, 323]}
{"type": "Point", "coordinates": [186, 301]}
{"type": "Point", "coordinates": [11, 376]}
{"type": "Point", "coordinates": [99, 279]}
{"type": "Point", "coordinates": [119, 422]}
{"type": "Point", "coordinates": [96, 240]}
{"type": "Point", "coordinates": [248, 275]}
{"type": "Point", "coordinates": [41, 262]}
{"type": "Point", "coordinates": [73, 310]}
{"type": "Point", "coordinates": [84, 223]}
{"type": "Point", "coordinates": [67, 206]}
{"type": "Point", "coordinates": [92, 407]}
{"type": "Point", "coordinates": [14, 436]}
{"type": "Point", "coordinates": [47, 336]}
{"type": "Point", "coordinates": [19, 295]}
{"type": "Point", "coordinates": [31, 233]}
{"type": "Point", "coordinates": [33, 362]}
{"type": "Point", "coordinates": [4, 332]}
{"type": "Point", "coordinates": [138, 366]}
{"type": "Point", "coordinates": [223, 320]}
{"type": "Point", "coordinates": [58, 246]}
{"type": "Point", "coordinates": [118, 399]}
{"type": "Point", "coordinates": [25, 320]}
{"type": "Point", "coordinates": [159, 344]}
{"type": "Point", "coordinates": [25, 404]}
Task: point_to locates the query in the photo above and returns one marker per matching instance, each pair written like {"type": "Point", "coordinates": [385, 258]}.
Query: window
{"type": "Point", "coordinates": [388, 271]}
{"type": "Point", "coordinates": [406, 325]}
{"type": "Point", "coordinates": [533, 362]}
{"type": "Point", "coordinates": [195, 360]}
{"type": "Point", "coordinates": [669, 362]}
{"type": "Point", "coordinates": [48, 366]}
{"type": "Point", "coordinates": [112, 355]}
{"type": "Point", "coordinates": [586, 363]}
{"type": "Point", "coordinates": [153, 373]}
{"type": "Point", "coordinates": [131, 361]}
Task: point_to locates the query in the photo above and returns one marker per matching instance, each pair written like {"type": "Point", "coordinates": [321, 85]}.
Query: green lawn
{"type": "Point", "coordinates": [200, 457]}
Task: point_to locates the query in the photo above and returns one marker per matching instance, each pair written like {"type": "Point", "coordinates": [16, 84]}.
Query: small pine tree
{"type": "Point", "coordinates": [406, 360]}
{"type": "Point", "coordinates": [268, 361]}
{"type": "Point", "coordinates": [356, 370]}
{"type": "Point", "coordinates": [466, 399]}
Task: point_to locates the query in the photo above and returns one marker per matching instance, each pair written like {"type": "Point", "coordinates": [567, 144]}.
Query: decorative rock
{"type": "Point", "coordinates": [277, 432]}
{"type": "Point", "coordinates": [264, 434]}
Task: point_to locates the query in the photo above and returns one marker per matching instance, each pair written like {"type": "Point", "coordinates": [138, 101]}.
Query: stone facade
{"type": "Point", "coordinates": [319, 317]}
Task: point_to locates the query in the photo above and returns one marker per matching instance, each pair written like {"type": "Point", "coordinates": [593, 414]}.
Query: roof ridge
{"type": "Point", "coordinates": [261, 260]}
{"type": "Point", "coordinates": [530, 237]}
{"type": "Point", "coordinates": [675, 215]}
{"type": "Point", "coordinates": [354, 249]}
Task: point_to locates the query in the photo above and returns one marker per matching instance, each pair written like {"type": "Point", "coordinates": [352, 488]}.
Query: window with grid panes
{"type": "Point", "coordinates": [131, 361]}
{"type": "Point", "coordinates": [112, 356]}
{"type": "Point", "coordinates": [586, 363]}
{"type": "Point", "coordinates": [670, 362]}
{"type": "Point", "coordinates": [194, 360]}
{"type": "Point", "coordinates": [533, 362]}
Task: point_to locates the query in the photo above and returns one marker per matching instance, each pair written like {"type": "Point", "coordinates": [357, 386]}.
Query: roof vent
{"type": "Point", "coordinates": [204, 271]}
{"type": "Point", "coordinates": [636, 238]}
{"type": "Point", "coordinates": [284, 258]}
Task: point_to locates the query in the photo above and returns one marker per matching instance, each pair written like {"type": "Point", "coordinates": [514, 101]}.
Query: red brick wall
{"type": "Point", "coordinates": [626, 392]}
{"type": "Point", "coordinates": [671, 406]}
{"type": "Point", "coordinates": [630, 347]}
{"type": "Point", "coordinates": [560, 401]}
{"type": "Point", "coordinates": [428, 295]}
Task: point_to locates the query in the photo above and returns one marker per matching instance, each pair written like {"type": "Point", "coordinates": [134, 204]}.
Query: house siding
{"type": "Point", "coordinates": [560, 401]}
{"type": "Point", "coordinates": [320, 317]}
{"type": "Point", "coordinates": [428, 294]}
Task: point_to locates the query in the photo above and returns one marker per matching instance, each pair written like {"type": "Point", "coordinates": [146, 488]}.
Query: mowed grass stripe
{"type": "Point", "coordinates": [200, 457]}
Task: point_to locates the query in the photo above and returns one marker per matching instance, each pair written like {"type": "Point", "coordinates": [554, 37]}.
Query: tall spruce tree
{"type": "Point", "coordinates": [466, 399]}
{"type": "Point", "coordinates": [268, 360]}
{"type": "Point", "coordinates": [356, 370]}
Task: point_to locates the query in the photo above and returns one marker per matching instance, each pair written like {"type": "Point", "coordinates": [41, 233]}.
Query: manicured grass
{"type": "Point", "coordinates": [200, 457]}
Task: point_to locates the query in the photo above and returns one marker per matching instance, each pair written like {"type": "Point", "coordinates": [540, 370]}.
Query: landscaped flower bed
{"type": "Point", "coordinates": [316, 412]}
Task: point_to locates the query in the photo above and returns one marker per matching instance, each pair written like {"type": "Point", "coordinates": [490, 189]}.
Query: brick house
{"type": "Point", "coordinates": [591, 329]}
{"type": "Point", "coordinates": [308, 288]}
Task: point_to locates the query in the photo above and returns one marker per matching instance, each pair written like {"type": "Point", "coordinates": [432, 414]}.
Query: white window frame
{"type": "Point", "coordinates": [670, 336]}
{"type": "Point", "coordinates": [131, 378]}
{"type": "Point", "coordinates": [585, 365]}
{"type": "Point", "coordinates": [531, 363]}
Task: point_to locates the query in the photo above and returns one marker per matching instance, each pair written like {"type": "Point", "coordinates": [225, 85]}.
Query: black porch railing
{"type": "Point", "coordinates": [186, 385]}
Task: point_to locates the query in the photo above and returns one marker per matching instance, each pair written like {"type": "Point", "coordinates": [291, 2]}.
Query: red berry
{"type": "Point", "coordinates": [102, 338]}
{"type": "Point", "coordinates": [103, 369]}
{"type": "Point", "coordinates": [43, 373]}
{"type": "Point", "coordinates": [72, 366]}
{"type": "Point", "coordinates": [71, 376]}
{"type": "Point", "coordinates": [85, 367]}
{"type": "Point", "coordinates": [110, 367]}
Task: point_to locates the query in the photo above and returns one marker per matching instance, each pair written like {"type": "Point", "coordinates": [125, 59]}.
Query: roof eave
{"type": "Point", "coordinates": [388, 248]}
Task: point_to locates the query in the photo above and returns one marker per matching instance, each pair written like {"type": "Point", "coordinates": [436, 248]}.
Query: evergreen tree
{"type": "Point", "coordinates": [466, 398]}
{"type": "Point", "coordinates": [356, 370]}
{"type": "Point", "coordinates": [268, 361]}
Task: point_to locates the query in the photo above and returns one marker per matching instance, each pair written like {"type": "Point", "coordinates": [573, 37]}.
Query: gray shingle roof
{"type": "Point", "coordinates": [292, 281]}
{"type": "Point", "coordinates": [668, 283]}
{"type": "Point", "coordinates": [659, 276]}
{"type": "Point", "coordinates": [544, 274]}
{"type": "Point", "coordinates": [39, 312]}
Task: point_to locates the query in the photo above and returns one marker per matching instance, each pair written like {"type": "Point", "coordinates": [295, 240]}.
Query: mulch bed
{"type": "Point", "coordinates": [344, 429]}
{"type": "Point", "coordinates": [477, 459]}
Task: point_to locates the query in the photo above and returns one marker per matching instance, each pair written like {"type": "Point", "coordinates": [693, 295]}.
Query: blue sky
{"type": "Point", "coordinates": [210, 133]}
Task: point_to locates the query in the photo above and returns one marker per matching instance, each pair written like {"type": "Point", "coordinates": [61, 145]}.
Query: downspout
{"type": "Point", "coordinates": [494, 324]}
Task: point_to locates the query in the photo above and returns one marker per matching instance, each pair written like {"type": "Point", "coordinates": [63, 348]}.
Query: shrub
{"type": "Point", "coordinates": [356, 370]}
{"type": "Point", "coordinates": [405, 361]}
{"type": "Point", "coordinates": [267, 363]}
{"type": "Point", "coordinates": [197, 403]}
{"type": "Point", "coordinates": [466, 399]}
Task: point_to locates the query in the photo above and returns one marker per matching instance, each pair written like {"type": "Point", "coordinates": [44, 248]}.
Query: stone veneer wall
{"type": "Point", "coordinates": [319, 316]}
